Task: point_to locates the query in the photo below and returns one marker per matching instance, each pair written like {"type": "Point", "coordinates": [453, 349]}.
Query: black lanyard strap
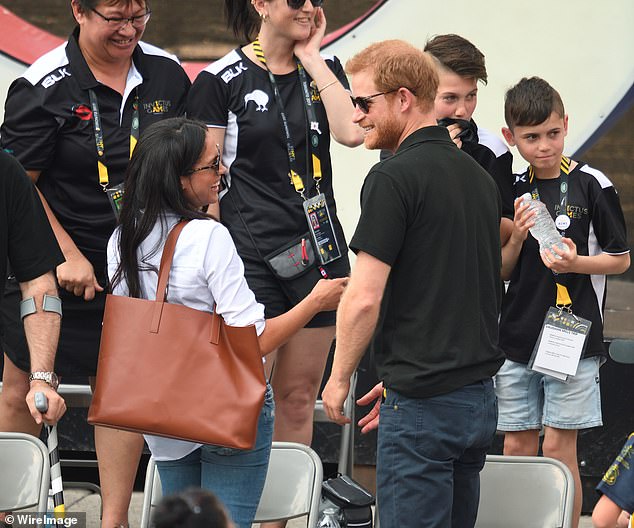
{"type": "Point", "coordinates": [313, 128]}
{"type": "Point", "coordinates": [102, 166]}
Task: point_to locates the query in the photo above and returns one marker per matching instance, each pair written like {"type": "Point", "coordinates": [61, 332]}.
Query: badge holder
{"type": "Point", "coordinates": [561, 343]}
{"type": "Point", "coordinates": [321, 228]}
{"type": "Point", "coordinates": [115, 197]}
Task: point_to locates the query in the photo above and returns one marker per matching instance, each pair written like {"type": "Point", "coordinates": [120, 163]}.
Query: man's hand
{"type": "Point", "coordinates": [56, 404]}
{"type": "Point", "coordinates": [333, 396]}
{"type": "Point", "coordinates": [77, 276]}
{"type": "Point", "coordinates": [371, 420]}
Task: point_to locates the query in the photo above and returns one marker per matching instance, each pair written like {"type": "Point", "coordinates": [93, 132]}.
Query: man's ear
{"type": "Point", "coordinates": [406, 98]}
{"type": "Point", "coordinates": [508, 136]}
{"type": "Point", "coordinates": [565, 125]}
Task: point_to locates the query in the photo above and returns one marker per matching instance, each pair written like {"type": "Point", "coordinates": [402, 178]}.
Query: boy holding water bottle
{"type": "Point", "coordinates": [551, 326]}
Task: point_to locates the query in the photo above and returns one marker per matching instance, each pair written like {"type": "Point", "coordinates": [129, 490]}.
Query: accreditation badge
{"type": "Point", "coordinates": [115, 197]}
{"type": "Point", "coordinates": [321, 228]}
{"type": "Point", "coordinates": [560, 344]}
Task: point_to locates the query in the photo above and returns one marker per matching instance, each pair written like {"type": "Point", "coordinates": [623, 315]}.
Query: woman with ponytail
{"type": "Point", "coordinates": [274, 103]}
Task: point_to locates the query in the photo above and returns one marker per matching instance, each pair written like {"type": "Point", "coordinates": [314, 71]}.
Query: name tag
{"type": "Point", "coordinates": [321, 228]}
{"type": "Point", "coordinates": [560, 344]}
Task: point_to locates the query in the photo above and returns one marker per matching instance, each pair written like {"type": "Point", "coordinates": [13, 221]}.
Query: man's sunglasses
{"type": "Point", "coordinates": [298, 4]}
{"type": "Point", "coordinates": [364, 102]}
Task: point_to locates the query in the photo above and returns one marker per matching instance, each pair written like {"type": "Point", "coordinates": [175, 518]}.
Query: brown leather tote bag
{"type": "Point", "coordinates": [170, 370]}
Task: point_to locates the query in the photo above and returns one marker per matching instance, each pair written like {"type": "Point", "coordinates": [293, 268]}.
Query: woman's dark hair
{"type": "Point", "coordinates": [166, 151]}
{"type": "Point", "coordinates": [193, 508]}
{"type": "Point", "coordinates": [242, 19]}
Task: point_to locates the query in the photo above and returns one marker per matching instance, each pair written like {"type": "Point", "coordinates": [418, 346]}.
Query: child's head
{"type": "Point", "coordinates": [460, 67]}
{"type": "Point", "coordinates": [193, 508]}
{"type": "Point", "coordinates": [531, 102]}
{"type": "Point", "coordinates": [536, 122]}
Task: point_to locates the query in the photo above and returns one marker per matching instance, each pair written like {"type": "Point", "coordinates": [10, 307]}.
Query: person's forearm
{"type": "Point", "coordinates": [41, 328]}
{"type": "Point", "coordinates": [336, 101]}
{"type": "Point", "coordinates": [602, 264]}
{"type": "Point", "coordinates": [356, 320]}
{"type": "Point", "coordinates": [280, 329]}
{"type": "Point", "coordinates": [66, 244]}
{"type": "Point", "coordinates": [510, 253]}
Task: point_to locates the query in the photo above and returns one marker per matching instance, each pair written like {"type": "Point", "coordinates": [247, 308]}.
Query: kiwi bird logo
{"type": "Point", "coordinates": [260, 98]}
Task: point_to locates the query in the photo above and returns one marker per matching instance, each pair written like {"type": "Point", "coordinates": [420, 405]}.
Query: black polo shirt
{"type": "Point", "coordinates": [26, 237]}
{"type": "Point", "coordinates": [433, 214]}
{"type": "Point", "coordinates": [48, 127]}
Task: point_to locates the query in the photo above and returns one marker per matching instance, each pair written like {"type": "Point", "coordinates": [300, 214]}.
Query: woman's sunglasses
{"type": "Point", "coordinates": [298, 4]}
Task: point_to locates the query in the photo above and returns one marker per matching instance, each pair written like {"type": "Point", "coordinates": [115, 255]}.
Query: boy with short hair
{"type": "Point", "coordinates": [593, 227]}
{"type": "Point", "coordinates": [461, 66]}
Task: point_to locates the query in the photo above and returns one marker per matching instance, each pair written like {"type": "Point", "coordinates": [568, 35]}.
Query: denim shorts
{"type": "Point", "coordinates": [528, 399]}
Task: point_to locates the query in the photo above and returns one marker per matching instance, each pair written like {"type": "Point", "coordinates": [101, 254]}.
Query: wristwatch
{"type": "Point", "coordinates": [48, 377]}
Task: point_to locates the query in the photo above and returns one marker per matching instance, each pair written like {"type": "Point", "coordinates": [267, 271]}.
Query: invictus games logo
{"type": "Point", "coordinates": [160, 106]}
{"type": "Point", "coordinates": [314, 92]}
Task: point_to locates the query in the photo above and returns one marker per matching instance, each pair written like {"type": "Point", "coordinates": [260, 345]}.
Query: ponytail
{"type": "Point", "coordinates": [242, 19]}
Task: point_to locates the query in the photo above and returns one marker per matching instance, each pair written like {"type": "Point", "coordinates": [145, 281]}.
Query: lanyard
{"type": "Point", "coordinates": [314, 130]}
{"type": "Point", "coordinates": [562, 221]}
{"type": "Point", "coordinates": [101, 148]}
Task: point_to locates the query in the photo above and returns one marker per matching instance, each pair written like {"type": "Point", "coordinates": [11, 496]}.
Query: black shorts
{"type": "Point", "coordinates": [280, 296]}
{"type": "Point", "coordinates": [79, 336]}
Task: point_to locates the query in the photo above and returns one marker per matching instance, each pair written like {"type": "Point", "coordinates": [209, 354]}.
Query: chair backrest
{"type": "Point", "coordinates": [293, 484]}
{"type": "Point", "coordinates": [24, 472]}
{"type": "Point", "coordinates": [525, 492]}
{"type": "Point", "coordinates": [292, 487]}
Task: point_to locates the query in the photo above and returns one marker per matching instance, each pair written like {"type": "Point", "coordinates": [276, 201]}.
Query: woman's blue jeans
{"type": "Point", "coordinates": [235, 476]}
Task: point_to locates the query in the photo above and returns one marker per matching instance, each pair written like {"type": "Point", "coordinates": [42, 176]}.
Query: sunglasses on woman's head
{"type": "Point", "coordinates": [298, 4]}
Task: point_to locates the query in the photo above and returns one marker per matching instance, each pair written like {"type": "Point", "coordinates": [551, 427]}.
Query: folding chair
{"type": "Point", "coordinates": [292, 488]}
{"type": "Point", "coordinates": [525, 492]}
{"type": "Point", "coordinates": [25, 474]}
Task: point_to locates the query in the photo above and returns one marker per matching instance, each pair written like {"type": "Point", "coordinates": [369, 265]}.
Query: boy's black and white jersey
{"type": "Point", "coordinates": [494, 156]}
{"type": "Point", "coordinates": [236, 94]}
{"type": "Point", "coordinates": [597, 226]}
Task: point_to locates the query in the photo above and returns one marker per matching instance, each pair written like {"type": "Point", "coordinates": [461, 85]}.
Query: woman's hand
{"type": "Point", "coordinates": [327, 293]}
{"type": "Point", "coordinates": [77, 276]}
{"type": "Point", "coordinates": [309, 49]}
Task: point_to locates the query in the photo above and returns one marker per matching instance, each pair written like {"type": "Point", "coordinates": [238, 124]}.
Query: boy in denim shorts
{"type": "Point", "coordinates": [588, 214]}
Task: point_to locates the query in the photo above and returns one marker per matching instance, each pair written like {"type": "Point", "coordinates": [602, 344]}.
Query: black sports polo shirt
{"type": "Point", "coordinates": [48, 127]}
{"type": "Point", "coordinates": [433, 214]}
{"type": "Point", "coordinates": [26, 237]}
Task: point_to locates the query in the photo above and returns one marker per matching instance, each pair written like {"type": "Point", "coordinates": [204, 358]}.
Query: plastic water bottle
{"type": "Point", "coordinates": [544, 230]}
{"type": "Point", "coordinates": [329, 518]}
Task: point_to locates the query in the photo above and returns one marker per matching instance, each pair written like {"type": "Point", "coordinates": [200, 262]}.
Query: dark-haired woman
{"type": "Point", "coordinates": [194, 508]}
{"type": "Point", "coordinates": [174, 172]}
{"type": "Point", "coordinates": [72, 120]}
{"type": "Point", "coordinates": [253, 102]}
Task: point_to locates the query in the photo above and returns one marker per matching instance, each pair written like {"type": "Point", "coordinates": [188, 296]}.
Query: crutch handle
{"type": "Point", "coordinates": [41, 402]}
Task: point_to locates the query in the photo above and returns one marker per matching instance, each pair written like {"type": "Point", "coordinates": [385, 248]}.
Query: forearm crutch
{"type": "Point", "coordinates": [57, 490]}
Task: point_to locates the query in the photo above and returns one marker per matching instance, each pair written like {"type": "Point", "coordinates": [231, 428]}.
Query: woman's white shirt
{"type": "Point", "coordinates": [206, 270]}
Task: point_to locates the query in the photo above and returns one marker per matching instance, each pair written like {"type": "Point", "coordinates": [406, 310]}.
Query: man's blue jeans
{"type": "Point", "coordinates": [235, 476]}
{"type": "Point", "coordinates": [429, 457]}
